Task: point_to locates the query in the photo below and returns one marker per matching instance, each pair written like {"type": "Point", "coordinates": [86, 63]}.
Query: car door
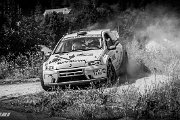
{"type": "Point", "coordinates": [113, 54]}
{"type": "Point", "coordinates": [119, 48]}
{"type": "Point", "coordinates": [119, 55]}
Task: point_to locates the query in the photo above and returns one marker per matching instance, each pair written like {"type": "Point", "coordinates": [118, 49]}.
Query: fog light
{"type": "Point", "coordinates": [98, 72]}
{"type": "Point", "coordinates": [51, 67]}
{"type": "Point", "coordinates": [104, 70]}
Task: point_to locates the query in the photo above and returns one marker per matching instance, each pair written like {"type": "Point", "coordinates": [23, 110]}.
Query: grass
{"type": "Point", "coordinates": [21, 68]}
{"type": "Point", "coordinates": [103, 103]}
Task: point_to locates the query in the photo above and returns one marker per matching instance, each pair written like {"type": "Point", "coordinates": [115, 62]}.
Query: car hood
{"type": "Point", "coordinates": [73, 59]}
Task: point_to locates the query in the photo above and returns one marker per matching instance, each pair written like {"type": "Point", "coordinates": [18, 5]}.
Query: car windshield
{"type": "Point", "coordinates": [79, 44]}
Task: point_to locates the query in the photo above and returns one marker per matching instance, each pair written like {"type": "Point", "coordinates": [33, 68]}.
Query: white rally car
{"type": "Point", "coordinates": [83, 57]}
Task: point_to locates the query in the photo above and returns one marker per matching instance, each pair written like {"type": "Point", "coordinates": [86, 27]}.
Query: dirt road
{"type": "Point", "coordinates": [16, 90]}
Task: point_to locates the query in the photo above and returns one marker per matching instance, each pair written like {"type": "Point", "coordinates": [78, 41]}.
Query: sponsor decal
{"type": "Point", "coordinates": [71, 61]}
{"type": "Point", "coordinates": [55, 60]}
{"type": "Point", "coordinates": [85, 54]}
{"type": "Point", "coordinates": [98, 72]}
{"type": "Point", "coordinates": [5, 114]}
{"type": "Point", "coordinates": [70, 57]}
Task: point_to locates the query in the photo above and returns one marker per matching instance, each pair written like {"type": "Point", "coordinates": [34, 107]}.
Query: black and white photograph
{"type": "Point", "coordinates": [89, 60]}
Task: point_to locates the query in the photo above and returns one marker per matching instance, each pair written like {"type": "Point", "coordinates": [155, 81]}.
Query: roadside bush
{"type": "Point", "coordinates": [23, 67]}
{"type": "Point", "coordinates": [5, 68]}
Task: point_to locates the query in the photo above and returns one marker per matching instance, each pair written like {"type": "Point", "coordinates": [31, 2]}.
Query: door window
{"type": "Point", "coordinates": [108, 40]}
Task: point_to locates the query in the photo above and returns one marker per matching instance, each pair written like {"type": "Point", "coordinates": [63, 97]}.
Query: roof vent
{"type": "Point", "coordinates": [82, 33]}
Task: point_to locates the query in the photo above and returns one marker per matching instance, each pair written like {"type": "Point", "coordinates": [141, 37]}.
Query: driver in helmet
{"type": "Point", "coordinates": [77, 45]}
{"type": "Point", "coordinates": [94, 44]}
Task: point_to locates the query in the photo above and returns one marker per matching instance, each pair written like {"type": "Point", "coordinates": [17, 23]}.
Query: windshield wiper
{"type": "Point", "coordinates": [61, 52]}
{"type": "Point", "coordinates": [64, 58]}
{"type": "Point", "coordinates": [92, 49]}
{"type": "Point", "coordinates": [78, 50]}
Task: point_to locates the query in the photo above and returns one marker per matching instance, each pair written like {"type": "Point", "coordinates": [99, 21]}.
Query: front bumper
{"type": "Point", "coordinates": [79, 82]}
{"type": "Point", "coordinates": [75, 76]}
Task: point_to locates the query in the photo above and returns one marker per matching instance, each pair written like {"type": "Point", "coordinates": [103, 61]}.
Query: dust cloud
{"type": "Point", "coordinates": [160, 24]}
{"type": "Point", "coordinates": [161, 28]}
{"type": "Point", "coordinates": [155, 29]}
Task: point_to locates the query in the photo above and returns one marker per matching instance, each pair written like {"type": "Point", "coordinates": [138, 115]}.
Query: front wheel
{"type": "Point", "coordinates": [124, 63]}
{"type": "Point", "coordinates": [111, 74]}
{"type": "Point", "coordinates": [46, 88]}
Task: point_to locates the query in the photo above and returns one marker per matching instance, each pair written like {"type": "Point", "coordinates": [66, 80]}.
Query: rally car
{"type": "Point", "coordinates": [83, 57]}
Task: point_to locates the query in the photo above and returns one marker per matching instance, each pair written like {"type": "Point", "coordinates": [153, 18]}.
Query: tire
{"type": "Point", "coordinates": [46, 88]}
{"type": "Point", "coordinates": [124, 63]}
{"type": "Point", "coordinates": [111, 74]}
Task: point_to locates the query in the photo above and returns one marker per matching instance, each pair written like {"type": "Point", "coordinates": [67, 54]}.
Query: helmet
{"type": "Point", "coordinates": [76, 46]}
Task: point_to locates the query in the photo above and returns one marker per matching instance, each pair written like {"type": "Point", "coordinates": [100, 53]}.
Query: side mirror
{"type": "Point", "coordinates": [113, 47]}
{"type": "Point", "coordinates": [46, 51]}
{"type": "Point", "coordinates": [47, 54]}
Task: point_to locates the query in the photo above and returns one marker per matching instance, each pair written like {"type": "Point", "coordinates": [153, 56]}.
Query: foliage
{"type": "Point", "coordinates": [22, 67]}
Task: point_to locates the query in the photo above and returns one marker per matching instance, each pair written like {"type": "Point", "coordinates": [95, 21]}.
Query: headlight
{"type": "Point", "coordinates": [49, 67]}
{"type": "Point", "coordinates": [96, 62]}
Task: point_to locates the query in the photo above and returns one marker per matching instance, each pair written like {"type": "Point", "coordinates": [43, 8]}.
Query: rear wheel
{"type": "Point", "coordinates": [111, 74]}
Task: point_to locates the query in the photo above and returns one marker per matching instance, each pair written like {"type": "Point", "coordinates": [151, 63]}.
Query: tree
{"type": "Point", "coordinates": [38, 9]}
{"type": "Point", "coordinates": [56, 25]}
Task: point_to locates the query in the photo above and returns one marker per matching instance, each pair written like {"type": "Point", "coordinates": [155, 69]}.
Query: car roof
{"type": "Point", "coordinates": [91, 32]}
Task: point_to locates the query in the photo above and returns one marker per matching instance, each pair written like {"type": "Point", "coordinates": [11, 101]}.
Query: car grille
{"type": "Point", "coordinates": [71, 75]}
{"type": "Point", "coordinates": [74, 78]}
